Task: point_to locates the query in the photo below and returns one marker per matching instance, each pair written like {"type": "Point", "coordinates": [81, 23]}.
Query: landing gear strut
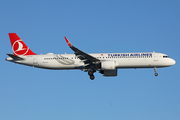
{"type": "Point", "coordinates": [90, 73]}
{"type": "Point", "coordinates": [156, 74]}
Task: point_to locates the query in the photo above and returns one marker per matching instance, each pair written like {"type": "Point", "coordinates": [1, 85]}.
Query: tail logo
{"type": "Point", "coordinates": [19, 48]}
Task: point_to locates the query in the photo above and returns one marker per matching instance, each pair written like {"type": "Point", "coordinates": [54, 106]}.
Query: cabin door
{"type": "Point", "coordinates": [155, 57]}
{"type": "Point", "coordinates": [35, 60]}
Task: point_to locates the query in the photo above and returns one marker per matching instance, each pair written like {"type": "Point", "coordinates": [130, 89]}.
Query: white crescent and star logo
{"type": "Point", "coordinates": [19, 48]}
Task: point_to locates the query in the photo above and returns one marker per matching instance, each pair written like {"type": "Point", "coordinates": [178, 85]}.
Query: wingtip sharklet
{"type": "Point", "coordinates": [69, 44]}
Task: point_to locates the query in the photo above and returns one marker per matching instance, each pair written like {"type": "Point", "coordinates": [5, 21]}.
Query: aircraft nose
{"type": "Point", "coordinates": [169, 62]}
{"type": "Point", "coordinates": [173, 62]}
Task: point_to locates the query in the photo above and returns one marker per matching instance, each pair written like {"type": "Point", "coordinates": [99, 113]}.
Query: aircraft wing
{"type": "Point", "coordinates": [86, 58]}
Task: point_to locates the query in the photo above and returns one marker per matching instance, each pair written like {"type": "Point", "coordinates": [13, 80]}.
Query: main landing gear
{"type": "Point", "coordinates": [155, 70]}
{"type": "Point", "coordinates": [90, 73]}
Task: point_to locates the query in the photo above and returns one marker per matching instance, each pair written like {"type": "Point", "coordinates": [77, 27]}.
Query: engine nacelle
{"type": "Point", "coordinates": [108, 65]}
{"type": "Point", "coordinates": [108, 68]}
{"type": "Point", "coordinates": [110, 72]}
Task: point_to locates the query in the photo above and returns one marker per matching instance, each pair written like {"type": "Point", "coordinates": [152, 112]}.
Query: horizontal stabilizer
{"type": "Point", "coordinates": [15, 57]}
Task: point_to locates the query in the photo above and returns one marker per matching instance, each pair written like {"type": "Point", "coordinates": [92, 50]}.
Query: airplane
{"type": "Point", "coordinates": [106, 63]}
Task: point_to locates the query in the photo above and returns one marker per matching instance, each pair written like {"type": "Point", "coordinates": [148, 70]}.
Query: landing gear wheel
{"type": "Point", "coordinates": [156, 74]}
{"type": "Point", "coordinates": [90, 73]}
{"type": "Point", "coordinates": [92, 77]}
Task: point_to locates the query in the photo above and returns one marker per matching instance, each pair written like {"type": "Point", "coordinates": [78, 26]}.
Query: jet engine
{"type": "Point", "coordinates": [108, 68]}
{"type": "Point", "coordinates": [108, 65]}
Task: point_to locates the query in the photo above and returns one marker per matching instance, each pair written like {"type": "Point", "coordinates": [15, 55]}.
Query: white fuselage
{"type": "Point", "coordinates": [122, 60]}
{"type": "Point", "coordinates": [106, 63]}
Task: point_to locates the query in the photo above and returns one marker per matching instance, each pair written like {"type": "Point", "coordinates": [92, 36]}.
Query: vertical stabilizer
{"type": "Point", "coordinates": [18, 46]}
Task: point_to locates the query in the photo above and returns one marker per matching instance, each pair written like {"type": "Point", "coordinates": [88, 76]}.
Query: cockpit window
{"type": "Point", "coordinates": [165, 56]}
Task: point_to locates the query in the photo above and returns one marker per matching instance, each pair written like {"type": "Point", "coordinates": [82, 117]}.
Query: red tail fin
{"type": "Point", "coordinates": [18, 46]}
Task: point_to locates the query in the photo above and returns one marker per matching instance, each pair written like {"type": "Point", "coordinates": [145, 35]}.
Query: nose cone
{"type": "Point", "coordinates": [173, 62]}
{"type": "Point", "coordinates": [169, 61]}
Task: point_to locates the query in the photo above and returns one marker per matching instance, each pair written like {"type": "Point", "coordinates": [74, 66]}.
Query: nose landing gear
{"type": "Point", "coordinates": [155, 70]}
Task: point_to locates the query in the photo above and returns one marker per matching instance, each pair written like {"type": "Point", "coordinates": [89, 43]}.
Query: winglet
{"type": "Point", "coordinates": [69, 44]}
